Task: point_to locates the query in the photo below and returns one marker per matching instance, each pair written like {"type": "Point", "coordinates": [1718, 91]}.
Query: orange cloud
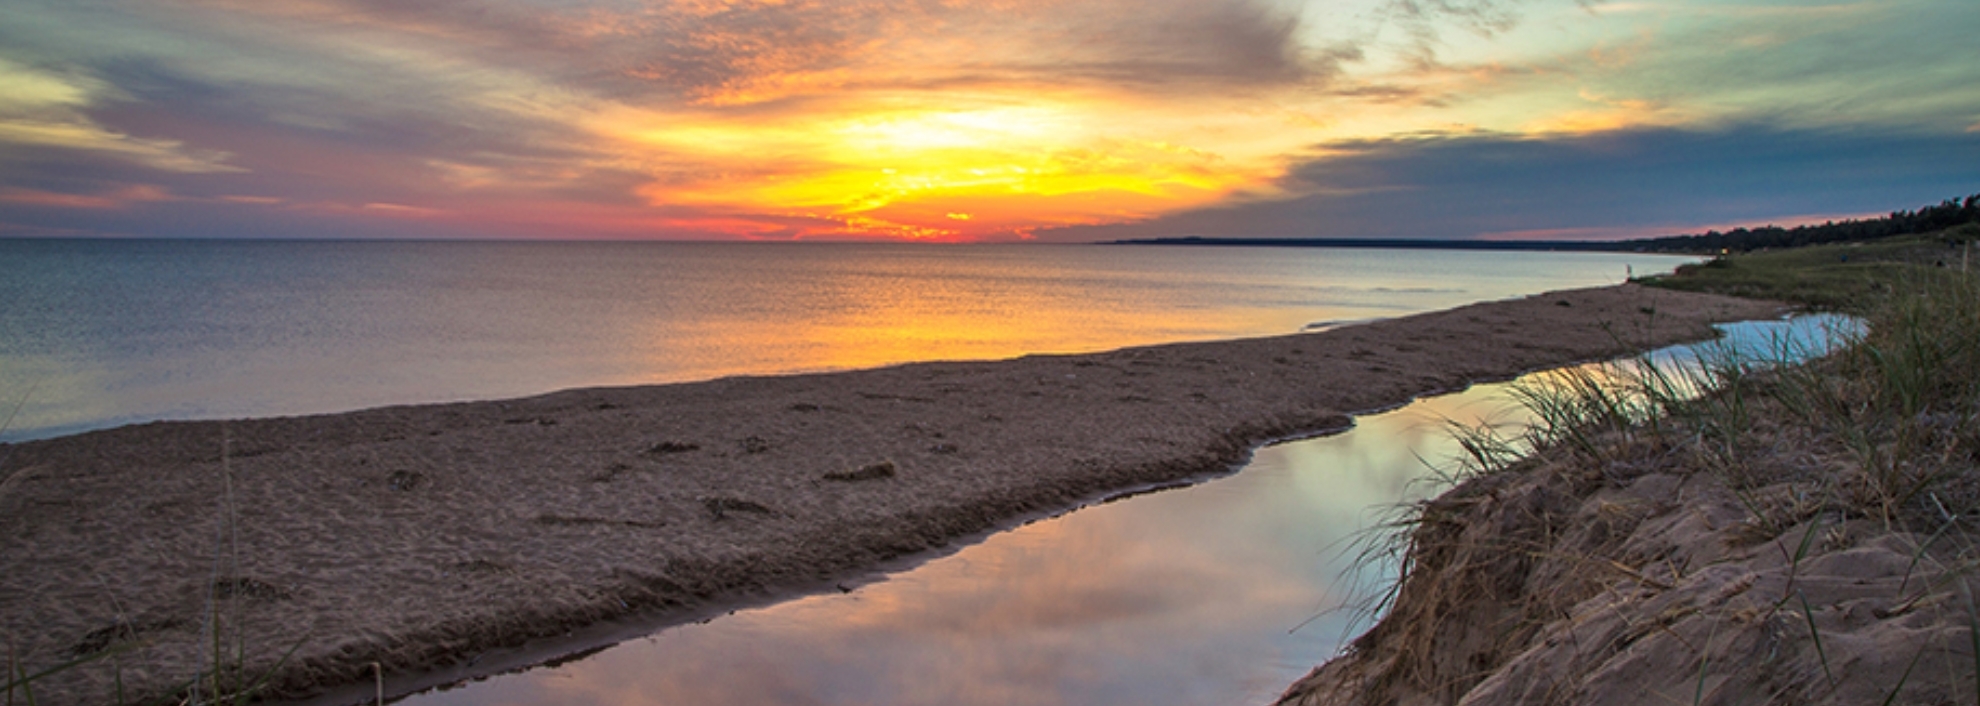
{"type": "Point", "coordinates": [402, 210]}
{"type": "Point", "coordinates": [119, 198]}
{"type": "Point", "coordinates": [1612, 114]}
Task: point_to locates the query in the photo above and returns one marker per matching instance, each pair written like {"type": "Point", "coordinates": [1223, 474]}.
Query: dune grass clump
{"type": "Point", "coordinates": [1902, 398]}
{"type": "Point", "coordinates": [1875, 446]}
{"type": "Point", "coordinates": [1903, 404]}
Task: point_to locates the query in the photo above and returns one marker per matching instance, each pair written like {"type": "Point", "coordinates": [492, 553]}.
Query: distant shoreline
{"type": "Point", "coordinates": [1408, 244]}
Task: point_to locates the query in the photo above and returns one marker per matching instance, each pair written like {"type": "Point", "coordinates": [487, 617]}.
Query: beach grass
{"type": "Point", "coordinates": [1844, 277]}
{"type": "Point", "coordinates": [1883, 432]}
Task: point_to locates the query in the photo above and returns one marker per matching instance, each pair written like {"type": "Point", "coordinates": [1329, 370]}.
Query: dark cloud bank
{"type": "Point", "coordinates": [1632, 182]}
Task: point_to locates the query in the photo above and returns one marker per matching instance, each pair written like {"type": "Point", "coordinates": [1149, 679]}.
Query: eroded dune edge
{"type": "Point", "coordinates": [1799, 536]}
{"type": "Point", "coordinates": [424, 538]}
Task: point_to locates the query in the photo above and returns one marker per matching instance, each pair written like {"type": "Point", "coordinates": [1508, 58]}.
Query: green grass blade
{"type": "Point", "coordinates": [1817, 636]}
{"type": "Point", "coordinates": [1904, 678]}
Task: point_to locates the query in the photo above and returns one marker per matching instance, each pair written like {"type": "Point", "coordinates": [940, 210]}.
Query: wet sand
{"type": "Point", "coordinates": [423, 537]}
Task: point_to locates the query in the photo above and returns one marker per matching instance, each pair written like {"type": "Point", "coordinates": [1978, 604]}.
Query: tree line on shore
{"type": "Point", "coordinates": [1949, 213]}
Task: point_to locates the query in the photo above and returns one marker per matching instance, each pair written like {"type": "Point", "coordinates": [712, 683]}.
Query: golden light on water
{"type": "Point", "coordinates": [880, 322]}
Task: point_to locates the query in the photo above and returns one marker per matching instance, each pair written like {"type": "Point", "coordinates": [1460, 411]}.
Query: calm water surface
{"type": "Point", "coordinates": [99, 333]}
{"type": "Point", "coordinates": [1213, 594]}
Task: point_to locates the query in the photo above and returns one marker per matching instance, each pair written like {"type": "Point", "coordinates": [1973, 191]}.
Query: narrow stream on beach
{"type": "Point", "coordinates": [1224, 592]}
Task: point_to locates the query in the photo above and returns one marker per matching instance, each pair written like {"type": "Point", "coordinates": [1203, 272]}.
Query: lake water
{"type": "Point", "coordinates": [96, 333]}
{"type": "Point", "coordinates": [1219, 593]}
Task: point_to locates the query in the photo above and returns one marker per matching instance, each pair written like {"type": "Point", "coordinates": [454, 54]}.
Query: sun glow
{"type": "Point", "coordinates": [928, 174]}
{"type": "Point", "coordinates": [922, 131]}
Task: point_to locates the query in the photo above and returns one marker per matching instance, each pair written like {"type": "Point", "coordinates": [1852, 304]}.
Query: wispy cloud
{"type": "Point", "coordinates": [48, 109]}
{"type": "Point", "coordinates": [750, 52]}
{"type": "Point", "coordinates": [1427, 20]}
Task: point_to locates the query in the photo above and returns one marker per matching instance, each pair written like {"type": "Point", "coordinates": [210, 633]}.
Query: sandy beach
{"type": "Point", "coordinates": [427, 538]}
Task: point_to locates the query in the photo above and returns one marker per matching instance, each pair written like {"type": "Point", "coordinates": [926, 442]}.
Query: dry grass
{"type": "Point", "coordinates": [1878, 442]}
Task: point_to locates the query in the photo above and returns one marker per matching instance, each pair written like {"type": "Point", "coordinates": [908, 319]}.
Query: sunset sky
{"type": "Point", "coordinates": [997, 120]}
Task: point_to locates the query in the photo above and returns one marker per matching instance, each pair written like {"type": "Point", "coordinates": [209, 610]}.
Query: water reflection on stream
{"type": "Point", "coordinates": [1190, 596]}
